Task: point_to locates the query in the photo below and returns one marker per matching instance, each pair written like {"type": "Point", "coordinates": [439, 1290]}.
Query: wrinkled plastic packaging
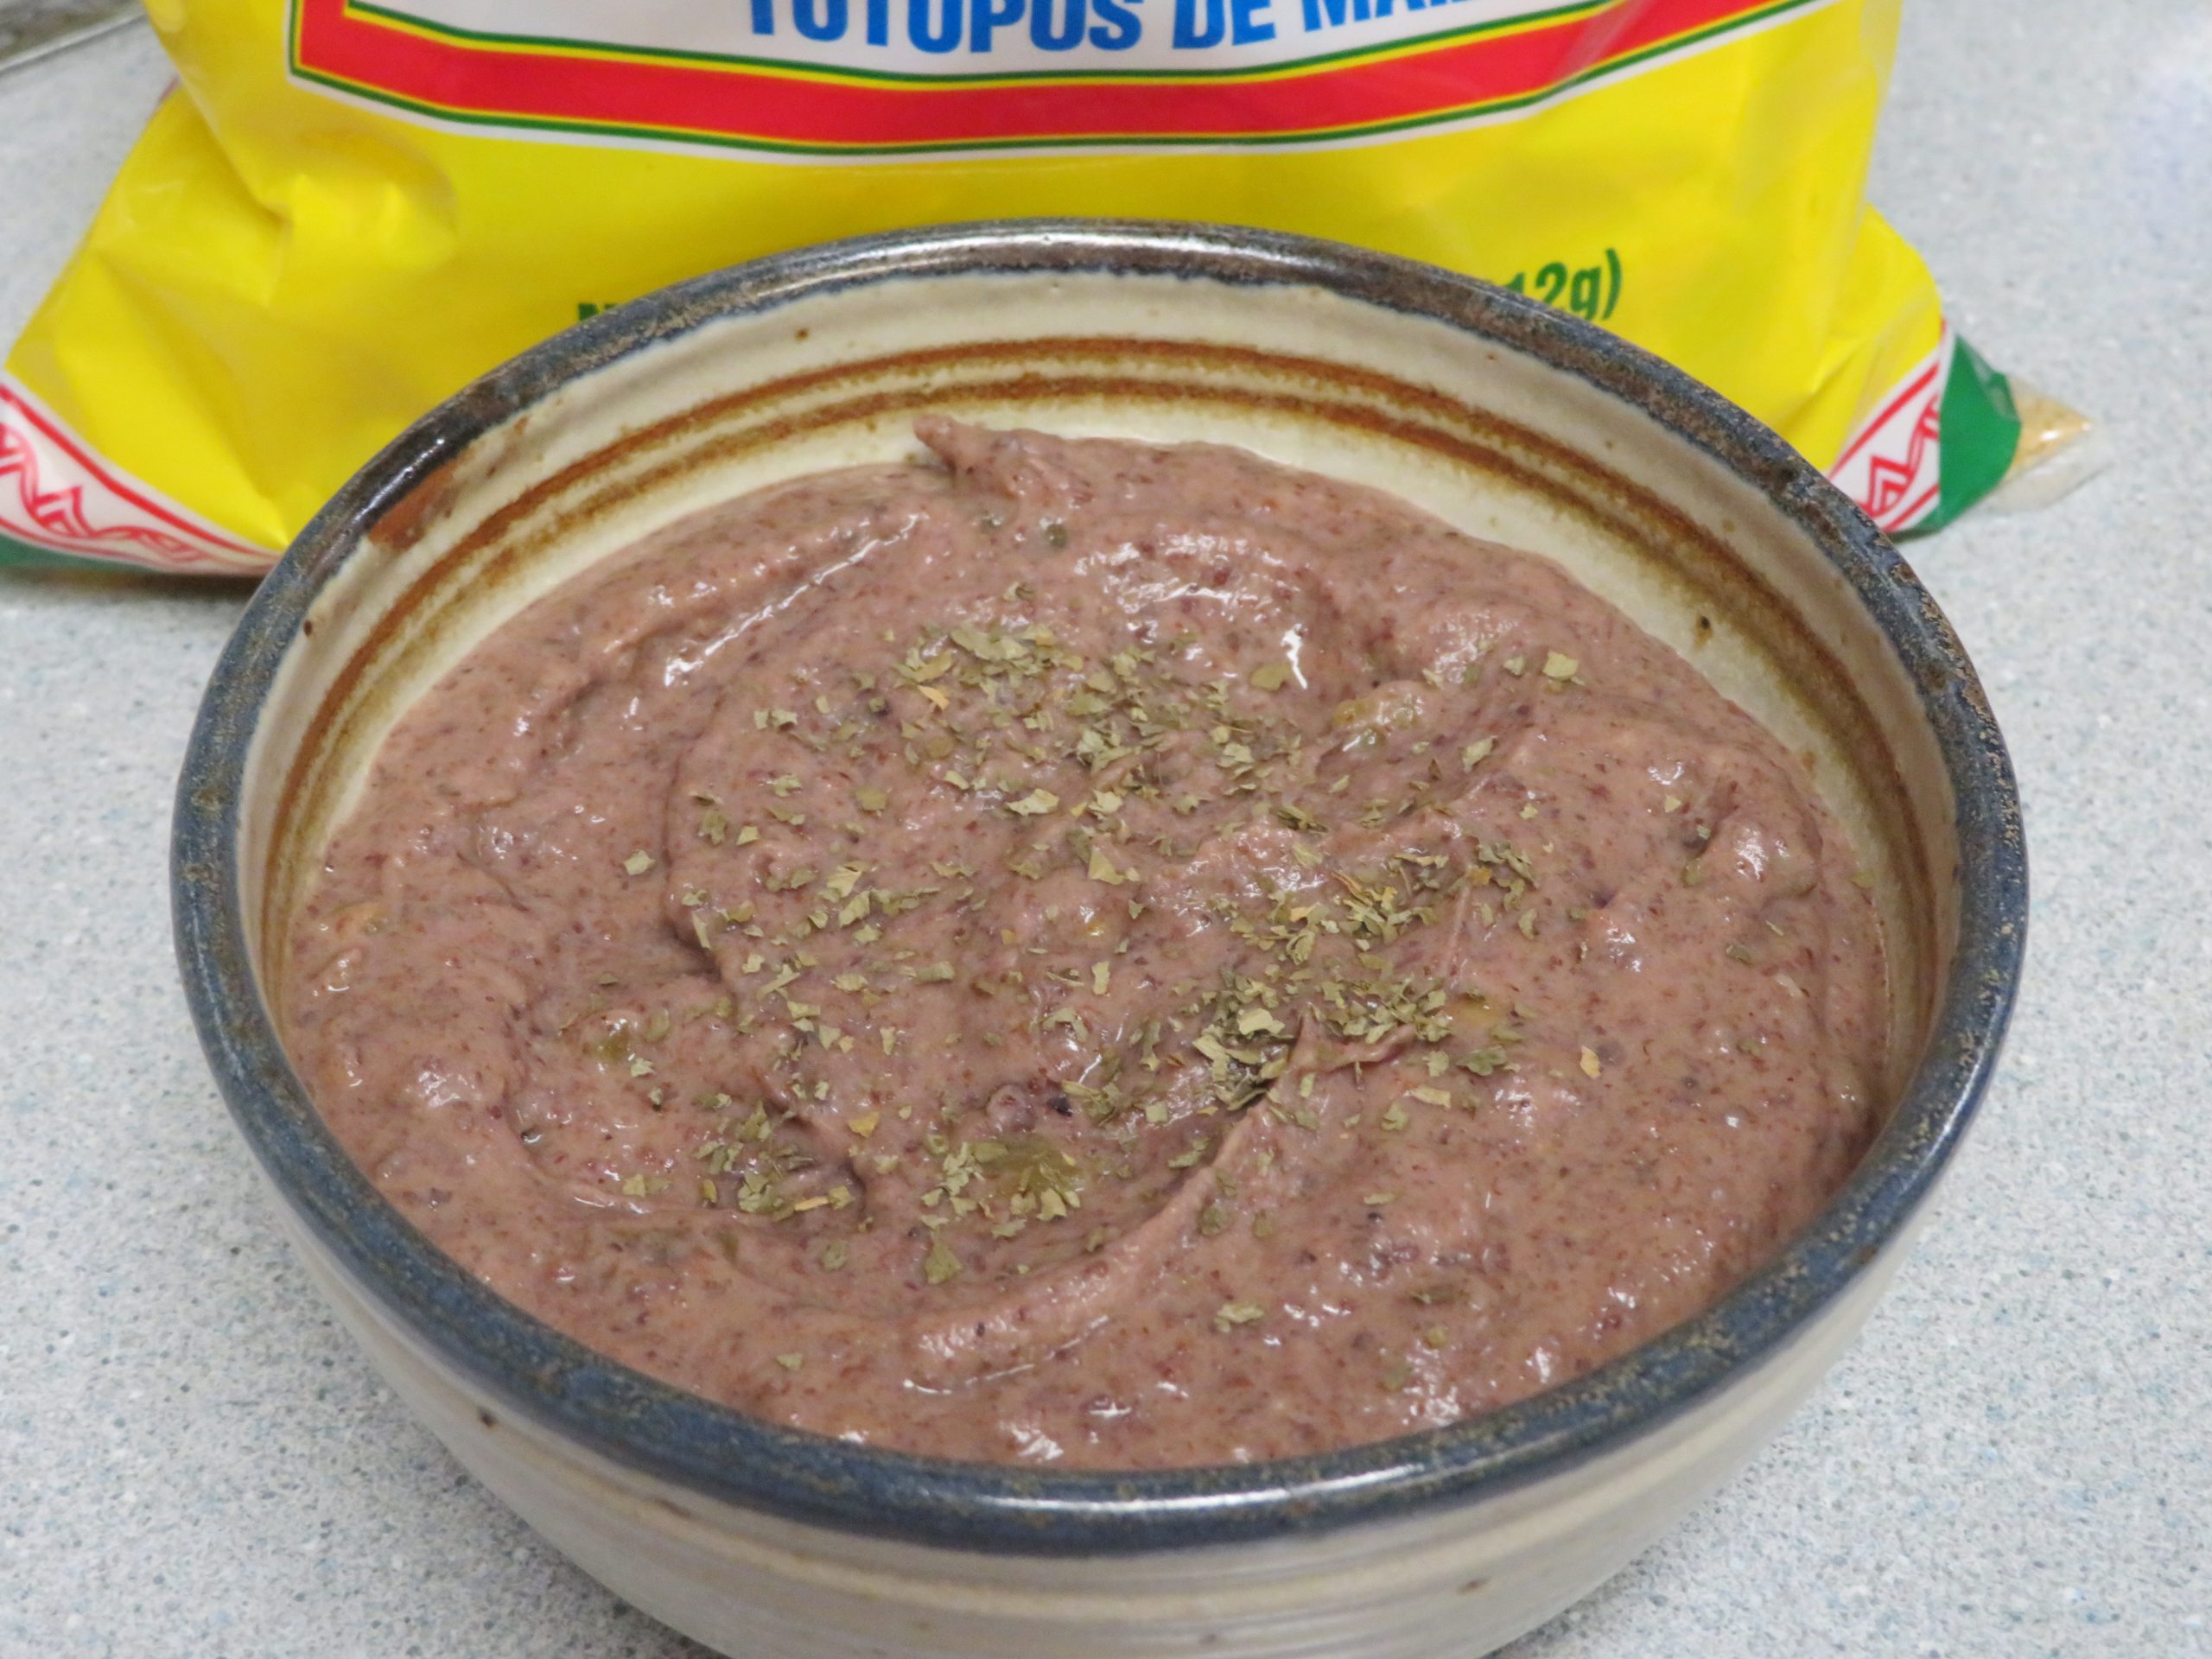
{"type": "Point", "coordinates": [347, 210]}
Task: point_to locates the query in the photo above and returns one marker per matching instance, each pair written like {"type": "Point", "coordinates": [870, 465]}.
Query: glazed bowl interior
{"type": "Point", "coordinates": [1504, 418]}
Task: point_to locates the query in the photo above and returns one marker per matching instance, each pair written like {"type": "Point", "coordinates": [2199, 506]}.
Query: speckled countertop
{"type": "Point", "coordinates": [2017, 1458]}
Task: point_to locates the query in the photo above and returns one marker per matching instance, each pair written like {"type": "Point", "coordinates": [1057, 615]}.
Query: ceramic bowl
{"type": "Point", "coordinates": [1510, 419]}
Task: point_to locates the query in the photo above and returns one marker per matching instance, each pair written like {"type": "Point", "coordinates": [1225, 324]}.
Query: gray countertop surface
{"type": "Point", "coordinates": [2015, 1459]}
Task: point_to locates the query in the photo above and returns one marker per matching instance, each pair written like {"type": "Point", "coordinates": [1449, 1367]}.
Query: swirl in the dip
{"type": "Point", "coordinates": [1076, 951]}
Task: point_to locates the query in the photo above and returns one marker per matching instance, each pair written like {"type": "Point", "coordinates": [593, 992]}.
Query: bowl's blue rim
{"type": "Point", "coordinates": [720, 1454]}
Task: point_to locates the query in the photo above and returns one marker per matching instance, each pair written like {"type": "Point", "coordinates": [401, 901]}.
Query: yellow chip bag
{"type": "Point", "coordinates": [350, 208]}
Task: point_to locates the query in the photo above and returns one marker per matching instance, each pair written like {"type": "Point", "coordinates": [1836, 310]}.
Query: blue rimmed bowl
{"type": "Point", "coordinates": [1510, 419]}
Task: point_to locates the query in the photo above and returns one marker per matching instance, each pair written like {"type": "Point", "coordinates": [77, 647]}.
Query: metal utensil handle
{"type": "Point", "coordinates": [34, 29]}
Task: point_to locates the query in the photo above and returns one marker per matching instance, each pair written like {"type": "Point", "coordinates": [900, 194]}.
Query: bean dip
{"type": "Point", "coordinates": [1075, 950]}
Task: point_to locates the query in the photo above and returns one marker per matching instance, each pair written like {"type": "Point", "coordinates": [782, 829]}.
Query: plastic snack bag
{"type": "Point", "coordinates": [349, 208]}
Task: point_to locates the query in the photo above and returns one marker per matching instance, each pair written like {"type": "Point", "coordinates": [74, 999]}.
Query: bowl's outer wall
{"type": "Point", "coordinates": [1459, 1580]}
{"type": "Point", "coordinates": [722, 1458]}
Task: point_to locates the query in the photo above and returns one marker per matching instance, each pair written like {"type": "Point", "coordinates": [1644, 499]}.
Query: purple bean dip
{"type": "Point", "coordinates": [1085, 952]}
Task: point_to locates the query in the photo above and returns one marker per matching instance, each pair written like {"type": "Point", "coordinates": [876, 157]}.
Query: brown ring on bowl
{"type": "Point", "coordinates": [1104, 370]}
